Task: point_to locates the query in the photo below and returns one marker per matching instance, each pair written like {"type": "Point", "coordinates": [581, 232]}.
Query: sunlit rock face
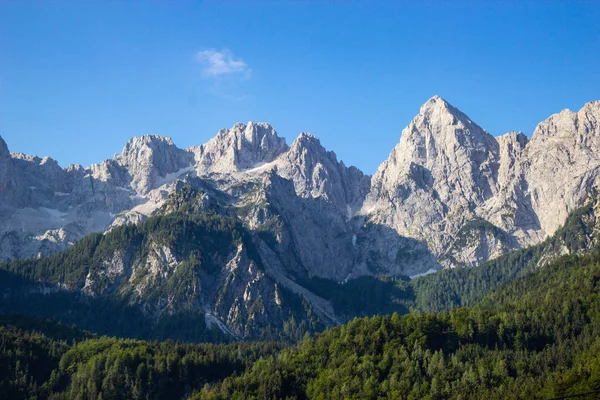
{"type": "Point", "coordinates": [447, 176]}
{"type": "Point", "coordinates": [449, 194]}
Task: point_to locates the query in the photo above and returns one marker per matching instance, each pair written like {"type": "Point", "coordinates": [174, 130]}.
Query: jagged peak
{"type": "Point", "coordinates": [137, 141]}
{"type": "Point", "coordinates": [250, 132]}
{"type": "Point", "coordinates": [567, 120]}
{"type": "Point", "coordinates": [306, 138]}
{"type": "Point", "coordinates": [4, 152]}
{"type": "Point", "coordinates": [514, 137]}
{"type": "Point", "coordinates": [136, 144]}
{"type": "Point", "coordinates": [441, 118]}
{"type": "Point", "coordinates": [45, 160]}
{"type": "Point", "coordinates": [241, 126]}
{"type": "Point", "coordinates": [310, 144]}
{"type": "Point", "coordinates": [435, 101]}
{"type": "Point", "coordinates": [437, 106]}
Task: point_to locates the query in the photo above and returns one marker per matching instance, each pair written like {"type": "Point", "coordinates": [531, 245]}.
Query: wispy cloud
{"type": "Point", "coordinates": [222, 63]}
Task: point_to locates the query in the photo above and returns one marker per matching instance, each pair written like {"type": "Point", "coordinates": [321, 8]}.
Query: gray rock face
{"type": "Point", "coordinates": [443, 167]}
{"type": "Point", "coordinates": [449, 194]}
{"type": "Point", "coordinates": [317, 173]}
{"type": "Point", "coordinates": [241, 147]}
{"type": "Point", "coordinates": [447, 173]}
{"type": "Point", "coordinates": [7, 175]}
{"type": "Point", "coordinates": [149, 158]}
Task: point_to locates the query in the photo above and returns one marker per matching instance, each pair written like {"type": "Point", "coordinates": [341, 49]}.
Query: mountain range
{"type": "Point", "coordinates": [255, 233]}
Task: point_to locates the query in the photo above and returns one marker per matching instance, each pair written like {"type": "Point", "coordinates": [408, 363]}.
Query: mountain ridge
{"type": "Point", "coordinates": [445, 172]}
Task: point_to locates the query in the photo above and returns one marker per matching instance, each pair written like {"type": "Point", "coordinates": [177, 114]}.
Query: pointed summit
{"type": "Point", "coordinates": [4, 152]}
{"type": "Point", "coordinates": [150, 157]}
{"type": "Point", "coordinates": [434, 101]}
{"type": "Point", "coordinates": [241, 147]}
{"type": "Point", "coordinates": [439, 111]}
{"type": "Point", "coordinates": [307, 141]}
{"type": "Point", "coordinates": [441, 151]}
{"type": "Point", "coordinates": [5, 164]}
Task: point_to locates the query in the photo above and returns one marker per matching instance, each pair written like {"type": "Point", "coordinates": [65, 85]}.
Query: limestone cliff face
{"type": "Point", "coordinates": [149, 158]}
{"type": "Point", "coordinates": [447, 173]}
{"type": "Point", "coordinates": [443, 167]}
{"type": "Point", "coordinates": [317, 173]}
{"type": "Point", "coordinates": [242, 147]}
{"type": "Point", "coordinates": [449, 194]}
{"type": "Point", "coordinates": [562, 159]}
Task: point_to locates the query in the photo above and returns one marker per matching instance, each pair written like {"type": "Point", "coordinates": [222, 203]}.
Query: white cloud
{"type": "Point", "coordinates": [222, 63]}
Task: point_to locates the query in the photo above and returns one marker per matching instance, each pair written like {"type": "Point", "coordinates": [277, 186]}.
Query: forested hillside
{"type": "Point", "coordinates": [535, 338]}
{"type": "Point", "coordinates": [40, 359]}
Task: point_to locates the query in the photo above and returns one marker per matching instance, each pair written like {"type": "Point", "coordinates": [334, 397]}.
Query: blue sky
{"type": "Point", "coordinates": [79, 78]}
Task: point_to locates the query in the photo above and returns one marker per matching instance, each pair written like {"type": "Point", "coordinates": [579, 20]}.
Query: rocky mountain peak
{"type": "Point", "coordinates": [513, 139]}
{"type": "Point", "coordinates": [3, 149]}
{"type": "Point", "coordinates": [307, 143]}
{"type": "Point", "coordinates": [443, 143]}
{"type": "Point", "coordinates": [242, 147]}
{"type": "Point", "coordinates": [149, 157]}
{"type": "Point", "coordinates": [317, 173]}
{"type": "Point", "coordinates": [441, 119]}
{"type": "Point", "coordinates": [138, 144]}
{"type": "Point", "coordinates": [6, 169]}
{"type": "Point", "coordinates": [581, 126]}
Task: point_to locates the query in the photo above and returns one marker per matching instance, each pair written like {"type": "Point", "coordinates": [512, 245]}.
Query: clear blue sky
{"type": "Point", "coordinates": [79, 78]}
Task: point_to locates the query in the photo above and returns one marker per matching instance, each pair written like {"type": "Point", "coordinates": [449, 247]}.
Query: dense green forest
{"type": "Point", "coordinates": [535, 338]}
{"type": "Point", "coordinates": [41, 359]}
{"type": "Point", "coordinates": [200, 240]}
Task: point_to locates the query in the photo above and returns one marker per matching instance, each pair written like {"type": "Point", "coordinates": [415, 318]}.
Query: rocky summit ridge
{"type": "Point", "coordinates": [450, 194]}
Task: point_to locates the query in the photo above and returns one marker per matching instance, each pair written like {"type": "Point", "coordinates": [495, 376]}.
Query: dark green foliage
{"type": "Point", "coordinates": [36, 365]}
{"type": "Point", "coordinates": [363, 296]}
{"type": "Point", "coordinates": [26, 361]}
{"type": "Point", "coordinates": [476, 226]}
{"type": "Point", "coordinates": [459, 287]}
{"type": "Point", "coordinates": [129, 369]}
{"type": "Point", "coordinates": [68, 267]}
{"type": "Point", "coordinates": [197, 240]}
{"type": "Point", "coordinates": [537, 338]}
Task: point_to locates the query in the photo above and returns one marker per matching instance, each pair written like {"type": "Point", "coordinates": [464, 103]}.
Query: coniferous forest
{"type": "Point", "coordinates": [537, 337]}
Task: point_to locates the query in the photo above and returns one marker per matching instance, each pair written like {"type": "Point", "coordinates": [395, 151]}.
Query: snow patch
{"type": "Point", "coordinates": [259, 167]}
{"type": "Point", "coordinates": [147, 208]}
{"type": "Point", "coordinates": [430, 271]}
{"type": "Point", "coordinates": [168, 178]}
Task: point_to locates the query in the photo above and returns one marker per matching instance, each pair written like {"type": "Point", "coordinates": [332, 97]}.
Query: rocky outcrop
{"type": "Point", "coordinates": [242, 147]}
{"type": "Point", "coordinates": [317, 173]}
{"type": "Point", "coordinates": [446, 176]}
{"type": "Point", "coordinates": [447, 172]}
{"type": "Point", "coordinates": [149, 159]}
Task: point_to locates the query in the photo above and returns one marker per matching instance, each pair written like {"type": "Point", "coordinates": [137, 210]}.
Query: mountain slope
{"type": "Point", "coordinates": [535, 339]}
{"type": "Point", "coordinates": [448, 178]}
{"type": "Point", "coordinates": [449, 195]}
{"type": "Point", "coordinates": [194, 272]}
